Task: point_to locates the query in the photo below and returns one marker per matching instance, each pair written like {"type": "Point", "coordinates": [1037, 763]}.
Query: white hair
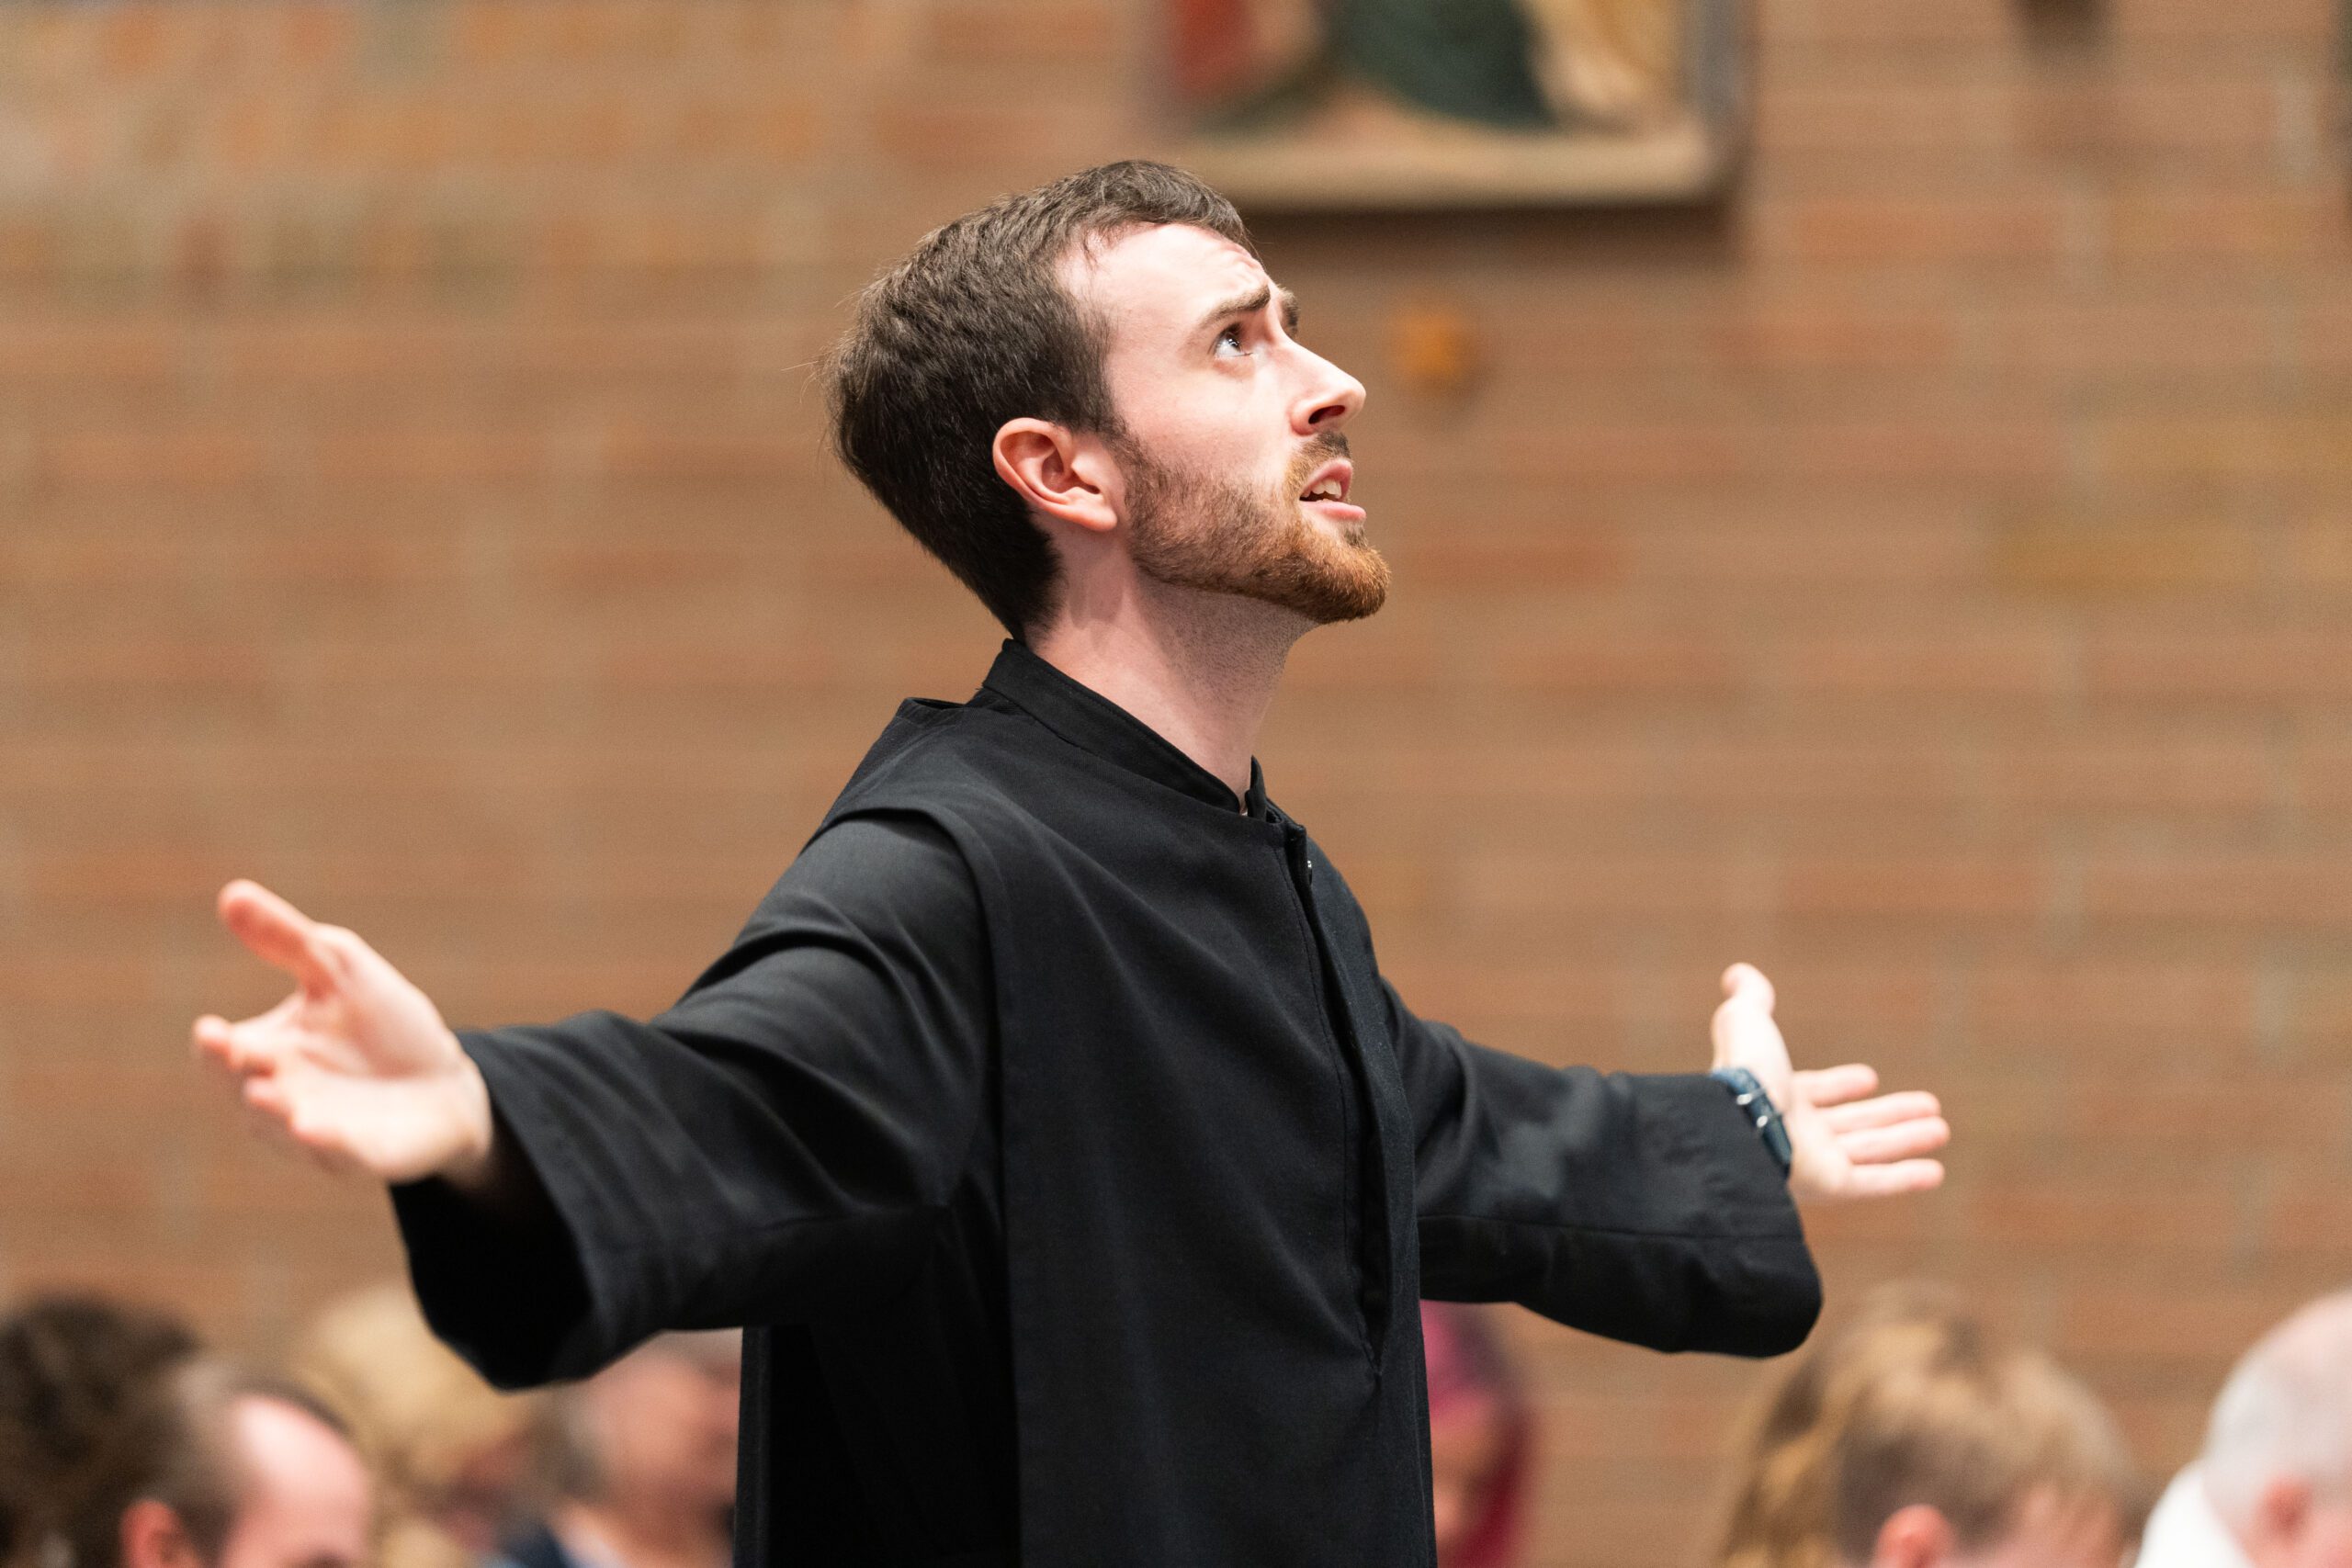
{"type": "Point", "coordinates": [2286, 1412]}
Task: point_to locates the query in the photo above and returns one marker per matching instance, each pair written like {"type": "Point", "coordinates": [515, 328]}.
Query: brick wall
{"type": "Point", "coordinates": [1926, 576]}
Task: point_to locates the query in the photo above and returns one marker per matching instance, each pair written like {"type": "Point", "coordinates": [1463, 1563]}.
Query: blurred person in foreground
{"type": "Point", "coordinates": [1050, 1117]}
{"type": "Point", "coordinates": [1915, 1437]}
{"type": "Point", "coordinates": [1480, 1438]}
{"type": "Point", "coordinates": [2273, 1486]}
{"type": "Point", "coordinates": [644, 1462]}
{"type": "Point", "coordinates": [123, 1445]}
{"type": "Point", "coordinates": [453, 1458]}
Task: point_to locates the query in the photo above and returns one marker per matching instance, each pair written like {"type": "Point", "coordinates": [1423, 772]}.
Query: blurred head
{"type": "Point", "coordinates": [1103, 364]}
{"type": "Point", "coordinates": [122, 1445]}
{"type": "Point", "coordinates": [452, 1456]}
{"type": "Point", "coordinates": [2277, 1460]}
{"type": "Point", "coordinates": [1478, 1438]}
{"type": "Point", "coordinates": [1913, 1438]}
{"type": "Point", "coordinates": [655, 1431]}
{"type": "Point", "coordinates": [300, 1495]}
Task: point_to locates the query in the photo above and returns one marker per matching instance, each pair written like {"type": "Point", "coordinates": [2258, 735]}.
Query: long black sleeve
{"type": "Point", "coordinates": [778, 1145]}
{"type": "Point", "coordinates": [1642, 1208]}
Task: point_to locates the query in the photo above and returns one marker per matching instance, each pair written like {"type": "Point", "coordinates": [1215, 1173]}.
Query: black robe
{"type": "Point", "coordinates": [1077, 1175]}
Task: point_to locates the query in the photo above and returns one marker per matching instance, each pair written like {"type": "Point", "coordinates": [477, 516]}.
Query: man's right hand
{"type": "Point", "coordinates": [355, 1068]}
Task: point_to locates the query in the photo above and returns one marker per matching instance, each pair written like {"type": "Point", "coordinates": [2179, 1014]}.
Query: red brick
{"type": "Point", "coordinates": [1868, 538]}
{"type": "Point", "coordinates": [186, 460]}
{"type": "Point", "coordinates": [2212, 450]}
{"type": "Point", "coordinates": [1617, 887]}
{"type": "Point", "coordinates": [2023, 234]}
{"type": "Point", "coordinates": [2068, 558]}
{"type": "Point", "coordinates": [2285, 229]}
{"type": "Point", "coordinates": [1020, 32]}
{"type": "Point", "coordinates": [1965, 661]}
{"type": "Point", "coordinates": [1618, 662]}
{"type": "Point", "coordinates": [2200, 120]}
{"type": "Point", "coordinates": [1827, 334]}
{"type": "Point", "coordinates": [2153, 341]}
{"type": "Point", "coordinates": [1945, 887]}
{"type": "Point", "coordinates": [2038, 1219]}
{"type": "Point", "coordinates": [2195, 22]}
{"type": "Point", "coordinates": [1946, 29]}
{"type": "Point", "coordinates": [1885, 115]}
{"type": "Point", "coordinates": [2186, 665]}
{"type": "Point", "coordinates": [2285, 891]}
{"type": "Point", "coordinates": [2097, 1010]}
{"type": "Point", "coordinates": [2207, 1325]}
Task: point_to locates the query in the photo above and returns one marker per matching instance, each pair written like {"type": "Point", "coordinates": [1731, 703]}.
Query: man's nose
{"type": "Point", "coordinates": [1331, 399]}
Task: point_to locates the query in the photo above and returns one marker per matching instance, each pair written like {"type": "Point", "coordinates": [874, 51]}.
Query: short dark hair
{"type": "Point", "coordinates": [102, 1405]}
{"type": "Point", "coordinates": [973, 329]}
{"type": "Point", "coordinates": [89, 1420]}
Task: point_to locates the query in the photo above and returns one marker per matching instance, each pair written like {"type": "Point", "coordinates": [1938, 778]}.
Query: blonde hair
{"type": "Point", "coordinates": [417, 1413]}
{"type": "Point", "coordinates": [1913, 1401]}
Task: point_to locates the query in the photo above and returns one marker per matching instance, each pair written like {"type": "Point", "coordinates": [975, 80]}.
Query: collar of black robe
{"type": "Point", "coordinates": [1092, 722]}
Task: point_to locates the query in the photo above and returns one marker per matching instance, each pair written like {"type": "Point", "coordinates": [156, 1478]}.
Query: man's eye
{"type": "Point", "coordinates": [1230, 339]}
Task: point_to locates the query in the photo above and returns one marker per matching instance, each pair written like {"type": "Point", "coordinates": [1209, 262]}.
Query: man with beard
{"type": "Point", "coordinates": [1049, 1124]}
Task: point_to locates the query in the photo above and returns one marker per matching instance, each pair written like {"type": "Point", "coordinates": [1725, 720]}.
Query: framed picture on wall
{"type": "Point", "coordinates": [1307, 104]}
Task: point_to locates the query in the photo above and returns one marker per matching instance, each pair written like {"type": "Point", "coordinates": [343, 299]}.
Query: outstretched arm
{"type": "Point", "coordinates": [1643, 1207]}
{"type": "Point", "coordinates": [777, 1145]}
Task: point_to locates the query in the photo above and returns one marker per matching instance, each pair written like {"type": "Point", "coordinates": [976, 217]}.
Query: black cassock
{"type": "Point", "coordinates": [1077, 1175]}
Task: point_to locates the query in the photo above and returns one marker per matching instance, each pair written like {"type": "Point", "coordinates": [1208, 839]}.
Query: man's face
{"type": "Point", "coordinates": [305, 1497]}
{"type": "Point", "coordinates": [1235, 473]}
{"type": "Point", "coordinates": [663, 1425]}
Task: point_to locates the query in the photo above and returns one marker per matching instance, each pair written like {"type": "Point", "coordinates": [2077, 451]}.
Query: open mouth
{"type": "Point", "coordinates": [1327, 491]}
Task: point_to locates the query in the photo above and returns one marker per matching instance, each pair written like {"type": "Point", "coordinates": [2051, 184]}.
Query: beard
{"type": "Point", "coordinates": [1188, 529]}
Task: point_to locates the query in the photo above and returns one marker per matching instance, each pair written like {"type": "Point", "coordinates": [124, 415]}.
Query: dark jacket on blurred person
{"type": "Point", "coordinates": [1053, 1127]}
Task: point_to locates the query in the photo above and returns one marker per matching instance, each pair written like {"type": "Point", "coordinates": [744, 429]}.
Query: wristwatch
{"type": "Point", "coordinates": [1748, 1093]}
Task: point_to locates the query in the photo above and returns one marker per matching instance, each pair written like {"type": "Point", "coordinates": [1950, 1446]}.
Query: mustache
{"type": "Point", "coordinates": [1317, 451]}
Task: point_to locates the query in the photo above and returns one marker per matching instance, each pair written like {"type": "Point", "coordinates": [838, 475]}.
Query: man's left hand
{"type": "Point", "coordinates": [1846, 1139]}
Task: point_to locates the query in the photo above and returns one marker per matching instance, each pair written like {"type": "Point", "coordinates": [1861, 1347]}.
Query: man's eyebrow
{"type": "Point", "coordinates": [1250, 304]}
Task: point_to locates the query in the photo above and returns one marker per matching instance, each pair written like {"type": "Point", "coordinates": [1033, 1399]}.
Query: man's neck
{"type": "Point", "coordinates": [1199, 669]}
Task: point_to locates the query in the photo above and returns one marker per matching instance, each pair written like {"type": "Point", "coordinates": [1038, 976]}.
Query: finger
{"type": "Point", "coordinates": [1890, 1180]}
{"type": "Point", "coordinates": [218, 1043]}
{"type": "Point", "coordinates": [255, 1047]}
{"type": "Point", "coordinates": [270, 1098]}
{"type": "Point", "coordinates": [224, 1078]}
{"type": "Point", "coordinates": [1824, 1086]}
{"type": "Point", "coordinates": [1883, 1111]}
{"type": "Point", "coordinates": [210, 1039]}
{"type": "Point", "coordinates": [1745, 983]}
{"type": "Point", "coordinates": [1886, 1146]}
{"type": "Point", "coordinates": [278, 933]}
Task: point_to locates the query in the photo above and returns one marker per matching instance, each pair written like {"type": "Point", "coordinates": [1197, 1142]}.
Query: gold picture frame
{"type": "Point", "coordinates": [1358, 104]}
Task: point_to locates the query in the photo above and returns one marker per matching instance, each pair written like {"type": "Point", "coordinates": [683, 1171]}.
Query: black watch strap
{"type": "Point", "coordinates": [1748, 1093]}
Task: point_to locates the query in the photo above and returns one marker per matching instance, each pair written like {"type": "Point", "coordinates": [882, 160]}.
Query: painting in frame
{"type": "Point", "coordinates": [1317, 105]}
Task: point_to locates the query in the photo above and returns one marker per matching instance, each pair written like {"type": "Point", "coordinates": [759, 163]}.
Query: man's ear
{"type": "Point", "coordinates": [1065, 476]}
{"type": "Point", "coordinates": [155, 1537]}
{"type": "Point", "coordinates": [1918, 1535]}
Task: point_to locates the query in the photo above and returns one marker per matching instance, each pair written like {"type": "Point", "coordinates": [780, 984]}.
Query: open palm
{"type": "Point", "coordinates": [354, 1067]}
{"type": "Point", "coordinates": [1845, 1138]}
